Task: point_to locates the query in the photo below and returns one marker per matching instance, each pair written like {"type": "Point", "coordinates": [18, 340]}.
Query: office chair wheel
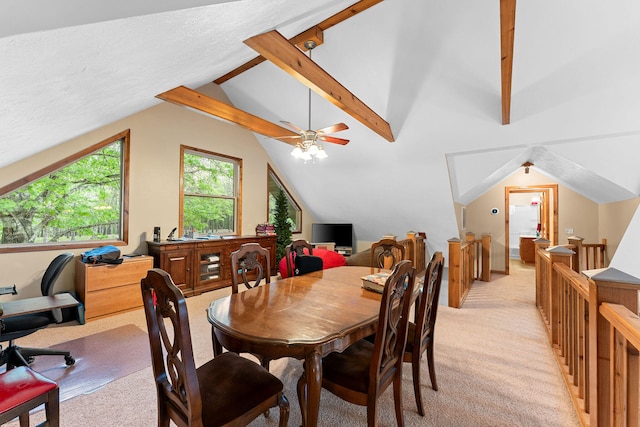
{"type": "Point", "coordinates": [69, 360]}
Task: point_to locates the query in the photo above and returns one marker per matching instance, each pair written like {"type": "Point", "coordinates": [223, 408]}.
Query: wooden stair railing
{"type": "Point", "coordinates": [588, 256]}
{"type": "Point", "coordinates": [468, 261]}
{"type": "Point", "coordinates": [593, 329]}
{"type": "Point", "coordinates": [623, 354]}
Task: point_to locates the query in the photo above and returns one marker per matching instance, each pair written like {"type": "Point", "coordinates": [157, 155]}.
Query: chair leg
{"type": "Point", "coordinates": [28, 354]}
{"type": "Point", "coordinates": [52, 408]}
{"type": "Point", "coordinates": [283, 403]}
{"type": "Point", "coordinates": [432, 367]}
{"type": "Point", "coordinates": [397, 399]}
{"type": "Point", "coordinates": [415, 369]}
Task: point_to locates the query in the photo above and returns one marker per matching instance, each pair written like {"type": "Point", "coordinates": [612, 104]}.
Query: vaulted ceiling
{"type": "Point", "coordinates": [437, 73]}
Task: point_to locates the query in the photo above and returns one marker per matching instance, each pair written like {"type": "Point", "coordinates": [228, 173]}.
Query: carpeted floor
{"type": "Point", "coordinates": [493, 362]}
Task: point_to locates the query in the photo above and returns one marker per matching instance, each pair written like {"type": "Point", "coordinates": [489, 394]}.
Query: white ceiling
{"type": "Point", "coordinates": [431, 69]}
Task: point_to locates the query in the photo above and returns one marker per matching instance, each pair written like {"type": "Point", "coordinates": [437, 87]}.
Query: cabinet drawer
{"type": "Point", "coordinates": [110, 301]}
{"type": "Point", "coordinates": [109, 276]}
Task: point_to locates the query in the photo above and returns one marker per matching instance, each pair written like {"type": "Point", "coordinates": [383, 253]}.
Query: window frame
{"type": "Point", "coordinates": [125, 136]}
{"type": "Point", "coordinates": [272, 174]}
{"type": "Point", "coordinates": [238, 183]}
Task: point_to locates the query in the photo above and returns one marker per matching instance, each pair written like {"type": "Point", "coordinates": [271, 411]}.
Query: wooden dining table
{"type": "Point", "coordinates": [305, 317]}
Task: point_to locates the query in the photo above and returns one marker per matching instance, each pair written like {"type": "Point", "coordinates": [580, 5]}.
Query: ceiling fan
{"type": "Point", "coordinates": [308, 147]}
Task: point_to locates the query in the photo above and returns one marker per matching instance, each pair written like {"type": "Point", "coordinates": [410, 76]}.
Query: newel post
{"type": "Point", "coordinates": [578, 259]}
{"type": "Point", "coordinates": [540, 243]}
{"type": "Point", "coordinates": [486, 258]}
{"type": "Point", "coordinates": [454, 272]}
{"type": "Point", "coordinates": [559, 254]}
{"type": "Point", "coordinates": [613, 286]}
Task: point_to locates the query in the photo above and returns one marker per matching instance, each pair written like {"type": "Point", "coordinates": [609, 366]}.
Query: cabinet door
{"type": "Point", "coordinates": [211, 263]}
{"type": "Point", "coordinates": [178, 265]}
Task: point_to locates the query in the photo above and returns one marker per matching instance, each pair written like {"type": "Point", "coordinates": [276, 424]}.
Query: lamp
{"type": "Point", "coordinates": [308, 148]}
{"type": "Point", "coordinates": [526, 166]}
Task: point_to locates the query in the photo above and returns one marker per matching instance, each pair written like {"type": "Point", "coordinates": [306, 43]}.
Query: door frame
{"type": "Point", "coordinates": [548, 213]}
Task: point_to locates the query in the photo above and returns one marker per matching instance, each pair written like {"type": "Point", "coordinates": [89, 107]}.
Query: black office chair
{"type": "Point", "coordinates": [16, 327]}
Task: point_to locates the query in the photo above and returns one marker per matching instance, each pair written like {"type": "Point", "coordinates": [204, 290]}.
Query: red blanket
{"type": "Point", "coordinates": [330, 259]}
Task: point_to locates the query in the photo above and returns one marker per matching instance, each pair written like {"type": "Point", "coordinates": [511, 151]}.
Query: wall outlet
{"type": "Point", "coordinates": [569, 231]}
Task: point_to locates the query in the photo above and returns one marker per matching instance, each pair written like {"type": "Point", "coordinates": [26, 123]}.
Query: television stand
{"type": "Point", "coordinates": [344, 250]}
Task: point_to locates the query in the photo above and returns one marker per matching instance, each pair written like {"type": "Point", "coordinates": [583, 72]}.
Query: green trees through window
{"type": "Point", "coordinates": [210, 192]}
{"type": "Point", "coordinates": [78, 199]}
{"type": "Point", "coordinates": [294, 213]}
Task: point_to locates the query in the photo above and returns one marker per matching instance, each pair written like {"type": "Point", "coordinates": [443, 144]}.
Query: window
{"type": "Point", "coordinates": [75, 201]}
{"type": "Point", "coordinates": [295, 213]}
{"type": "Point", "coordinates": [210, 195]}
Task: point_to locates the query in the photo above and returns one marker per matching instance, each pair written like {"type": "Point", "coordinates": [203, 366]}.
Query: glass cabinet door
{"type": "Point", "coordinates": [211, 264]}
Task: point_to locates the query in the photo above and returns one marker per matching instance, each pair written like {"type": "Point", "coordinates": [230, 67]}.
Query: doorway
{"type": "Point", "coordinates": [546, 210]}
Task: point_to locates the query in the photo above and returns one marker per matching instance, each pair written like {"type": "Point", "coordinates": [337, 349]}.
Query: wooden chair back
{"type": "Point", "coordinates": [227, 390]}
{"type": "Point", "coordinates": [421, 333]}
{"type": "Point", "coordinates": [362, 372]}
{"type": "Point", "coordinates": [296, 248]}
{"type": "Point", "coordinates": [386, 253]}
{"type": "Point", "coordinates": [250, 258]}
{"type": "Point", "coordinates": [177, 385]}
{"type": "Point", "coordinates": [391, 334]}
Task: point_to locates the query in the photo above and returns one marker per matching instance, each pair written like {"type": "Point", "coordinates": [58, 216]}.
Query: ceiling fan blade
{"type": "Point", "coordinates": [333, 128]}
{"type": "Point", "coordinates": [292, 126]}
{"type": "Point", "coordinates": [333, 140]}
{"type": "Point", "coordinates": [190, 98]}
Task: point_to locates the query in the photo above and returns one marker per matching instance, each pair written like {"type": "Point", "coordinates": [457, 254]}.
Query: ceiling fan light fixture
{"type": "Point", "coordinates": [297, 152]}
{"type": "Point", "coordinates": [321, 154]}
{"type": "Point", "coordinates": [313, 149]}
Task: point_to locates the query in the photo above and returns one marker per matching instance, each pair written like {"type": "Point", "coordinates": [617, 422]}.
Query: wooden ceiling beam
{"type": "Point", "coordinates": [305, 35]}
{"type": "Point", "coordinates": [190, 98]}
{"type": "Point", "coordinates": [507, 30]}
{"type": "Point", "coordinates": [276, 48]}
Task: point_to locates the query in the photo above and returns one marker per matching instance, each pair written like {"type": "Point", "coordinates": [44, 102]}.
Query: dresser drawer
{"type": "Point", "coordinates": [110, 301]}
{"type": "Point", "coordinates": [104, 276]}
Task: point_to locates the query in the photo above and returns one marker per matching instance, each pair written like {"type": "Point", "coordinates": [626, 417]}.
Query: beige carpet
{"type": "Point", "coordinates": [493, 363]}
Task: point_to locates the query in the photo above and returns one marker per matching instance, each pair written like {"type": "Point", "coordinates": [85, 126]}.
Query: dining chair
{"type": "Point", "coordinates": [363, 371]}
{"type": "Point", "coordinates": [23, 389]}
{"type": "Point", "coordinates": [296, 248]}
{"type": "Point", "coordinates": [386, 253]}
{"type": "Point", "coordinates": [250, 258]}
{"type": "Point", "coordinates": [420, 334]}
{"type": "Point", "coordinates": [226, 390]}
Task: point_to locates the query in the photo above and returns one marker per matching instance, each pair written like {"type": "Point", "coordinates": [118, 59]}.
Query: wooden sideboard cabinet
{"type": "Point", "coordinates": [106, 289]}
{"type": "Point", "coordinates": [528, 249]}
{"type": "Point", "coordinates": [198, 266]}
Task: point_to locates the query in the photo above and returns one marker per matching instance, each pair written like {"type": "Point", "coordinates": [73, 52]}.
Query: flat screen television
{"type": "Point", "coordinates": [340, 234]}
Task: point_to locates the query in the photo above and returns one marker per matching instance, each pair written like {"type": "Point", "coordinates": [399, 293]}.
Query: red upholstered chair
{"type": "Point", "coordinates": [21, 390]}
